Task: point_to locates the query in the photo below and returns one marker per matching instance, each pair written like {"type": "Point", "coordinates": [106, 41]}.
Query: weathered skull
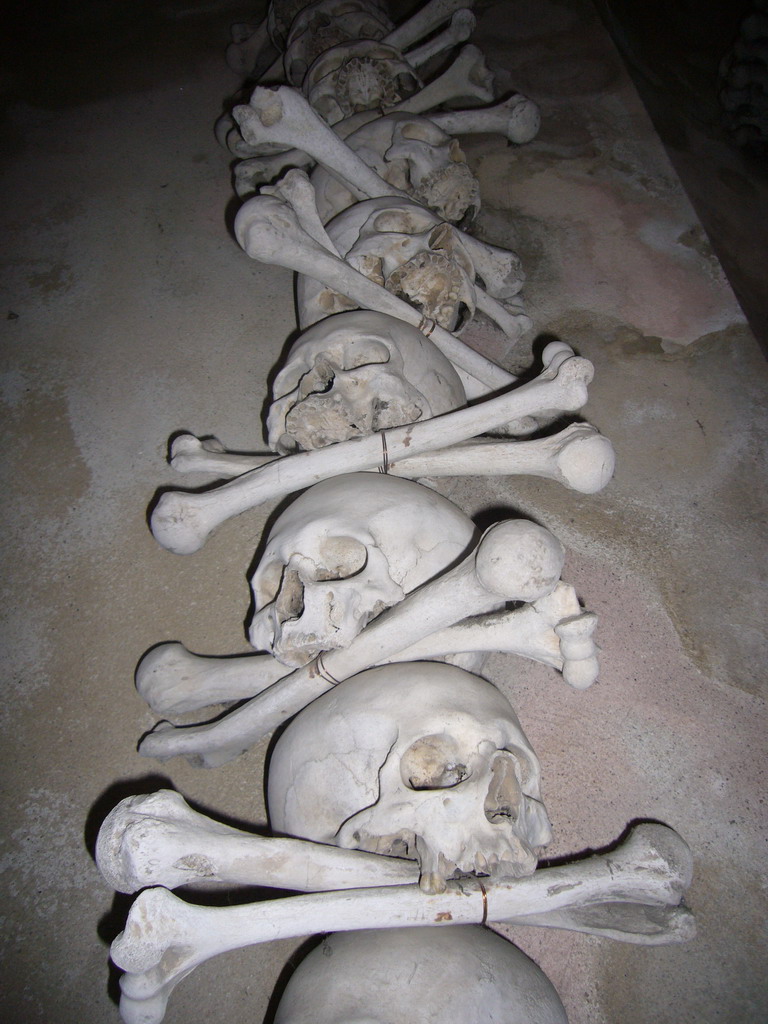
{"type": "Point", "coordinates": [362, 74]}
{"type": "Point", "coordinates": [413, 155]}
{"type": "Point", "coordinates": [463, 973]}
{"type": "Point", "coordinates": [341, 553]}
{"type": "Point", "coordinates": [322, 25]}
{"type": "Point", "coordinates": [420, 760]}
{"type": "Point", "coordinates": [356, 373]}
{"type": "Point", "coordinates": [407, 249]}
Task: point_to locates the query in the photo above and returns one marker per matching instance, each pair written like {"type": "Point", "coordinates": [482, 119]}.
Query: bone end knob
{"type": "Point", "coordinates": [587, 462]}
{"type": "Point", "coordinates": [524, 122]}
{"type": "Point", "coordinates": [519, 560]}
{"type": "Point", "coordinates": [175, 524]}
{"type": "Point", "coordinates": [578, 649]}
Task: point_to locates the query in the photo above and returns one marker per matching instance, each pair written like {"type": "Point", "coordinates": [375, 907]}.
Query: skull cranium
{"type": "Point", "coordinates": [407, 249]}
{"type": "Point", "coordinates": [340, 554]}
{"type": "Point", "coordinates": [356, 373]}
{"type": "Point", "coordinates": [420, 760]}
{"type": "Point", "coordinates": [322, 25]}
{"type": "Point", "coordinates": [463, 973]}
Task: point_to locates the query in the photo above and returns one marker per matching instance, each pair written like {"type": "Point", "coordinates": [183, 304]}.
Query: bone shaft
{"type": "Point", "coordinates": [339, 275]}
{"type": "Point", "coordinates": [322, 143]}
{"type": "Point", "coordinates": [512, 324]}
{"type": "Point", "coordinates": [424, 21]}
{"type": "Point", "coordinates": [210, 508]}
{"type": "Point", "coordinates": [469, 122]}
{"type": "Point", "coordinates": [456, 32]}
{"type": "Point", "coordinates": [463, 591]}
{"type": "Point", "coordinates": [473, 458]}
{"type": "Point", "coordinates": [182, 522]}
{"type": "Point", "coordinates": [291, 864]}
{"type": "Point", "coordinates": [512, 632]}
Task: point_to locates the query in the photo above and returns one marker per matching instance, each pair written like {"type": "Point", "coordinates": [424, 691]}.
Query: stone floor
{"type": "Point", "coordinates": [131, 314]}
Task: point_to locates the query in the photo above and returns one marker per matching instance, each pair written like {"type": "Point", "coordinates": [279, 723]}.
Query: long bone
{"type": "Point", "coordinates": [428, 18]}
{"type": "Point", "coordinates": [283, 117]}
{"type": "Point", "coordinates": [158, 839]}
{"type": "Point", "coordinates": [517, 118]}
{"type": "Point", "coordinates": [552, 630]}
{"type": "Point", "coordinates": [467, 77]}
{"type": "Point", "coordinates": [182, 521]}
{"type": "Point", "coordinates": [459, 29]}
{"type": "Point", "coordinates": [642, 881]}
{"type": "Point", "coordinates": [249, 42]}
{"type": "Point", "coordinates": [578, 457]}
{"type": "Point", "coordinates": [514, 561]}
{"type": "Point", "coordinates": [269, 231]}
{"type": "Point", "coordinates": [296, 189]}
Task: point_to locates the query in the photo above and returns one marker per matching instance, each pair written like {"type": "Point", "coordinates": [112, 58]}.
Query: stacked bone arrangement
{"type": "Point", "coordinates": [402, 791]}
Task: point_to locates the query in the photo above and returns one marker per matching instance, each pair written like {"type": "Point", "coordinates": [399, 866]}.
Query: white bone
{"type": "Point", "coordinates": [269, 231]}
{"type": "Point", "coordinates": [461, 27]}
{"type": "Point", "coordinates": [244, 51]}
{"type": "Point", "coordinates": [552, 630]}
{"type": "Point", "coordinates": [428, 18]}
{"type": "Point", "coordinates": [578, 457]}
{"type": "Point", "coordinates": [499, 268]}
{"type": "Point", "coordinates": [512, 320]}
{"type": "Point", "coordinates": [296, 189]}
{"type": "Point", "coordinates": [181, 521]}
{"type": "Point", "coordinates": [165, 938]}
{"type": "Point", "coordinates": [172, 680]}
{"type": "Point", "coordinates": [467, 77]}
{"type": "Point", "coordinates": [517, 118]}
{"type": "Point", "coordinates": [283, 116]}
{"type": "Point", "coordinates": [515, 561]}
{"type": "Point", "coordinates": [160, 840]}
{"type": "Point", "coordinates": [467, 973]}
{"type": "Point", "coordinates": [261, 170]}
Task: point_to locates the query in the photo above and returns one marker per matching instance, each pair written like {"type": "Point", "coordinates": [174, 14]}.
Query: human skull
{"type": "Point", "coordinates": [408, 250]}
{"type": "Point", "coordinates": [462, 973]}
{"type": "Point", "coordinates": [420, 760]}
{"type": "Point", "coordinates": [341, 553]}
{"type": "Point", "coordinates": [412, 154]}
{"type": "Point", "coordinates": [356, 373]}
{"type": "Point", "coordinates": [361, 74]}
{"type": "Point", "coordinates": [320, 26]}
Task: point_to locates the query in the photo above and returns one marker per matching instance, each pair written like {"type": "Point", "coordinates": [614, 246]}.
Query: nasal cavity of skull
{"type": "Point", "coordinates": [433, 762]}
{"type": "Point", "coordinates": [504, 796]}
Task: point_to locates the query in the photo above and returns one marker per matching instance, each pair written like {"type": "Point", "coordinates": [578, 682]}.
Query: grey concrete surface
{"type": "Point", "coordinates": [129, 313]}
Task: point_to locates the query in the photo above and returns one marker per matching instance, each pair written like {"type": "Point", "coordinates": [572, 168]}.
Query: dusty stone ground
{"type": "Point", "coordinates": [129, 314]}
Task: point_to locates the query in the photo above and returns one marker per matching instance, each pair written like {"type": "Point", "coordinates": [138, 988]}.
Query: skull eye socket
{"type": "Point", "coordinates": [269, 583]}
{"type": "Point", "coordinates": [433, 762]}
{"type": "Point", "coordinates": [339, 558]}
{"type": "Point", "coordinates": [363, 352]}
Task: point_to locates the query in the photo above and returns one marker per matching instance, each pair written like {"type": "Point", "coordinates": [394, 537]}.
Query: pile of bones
{"type": "Point", "coordinates": [402, 792]}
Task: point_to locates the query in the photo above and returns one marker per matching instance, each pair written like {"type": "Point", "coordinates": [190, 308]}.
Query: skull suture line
{"type": "Point", "coordinates": [356, 373]}
{"type": "Point", "coordinates": [419, 760]}
{"type": "Point", "coordinates": [340, 554]}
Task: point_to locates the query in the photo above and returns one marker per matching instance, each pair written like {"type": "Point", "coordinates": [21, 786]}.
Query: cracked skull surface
{"type": "Point", "coordinates": [356, 373]}
{"type": "Point", "coordinates": [420, 760]}
{"type": "Point", "coordinates": [340, 554]}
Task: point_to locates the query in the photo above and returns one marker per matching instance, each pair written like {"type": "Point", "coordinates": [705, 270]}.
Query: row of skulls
{"type": "Point", "coordinates": [403, 778]}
